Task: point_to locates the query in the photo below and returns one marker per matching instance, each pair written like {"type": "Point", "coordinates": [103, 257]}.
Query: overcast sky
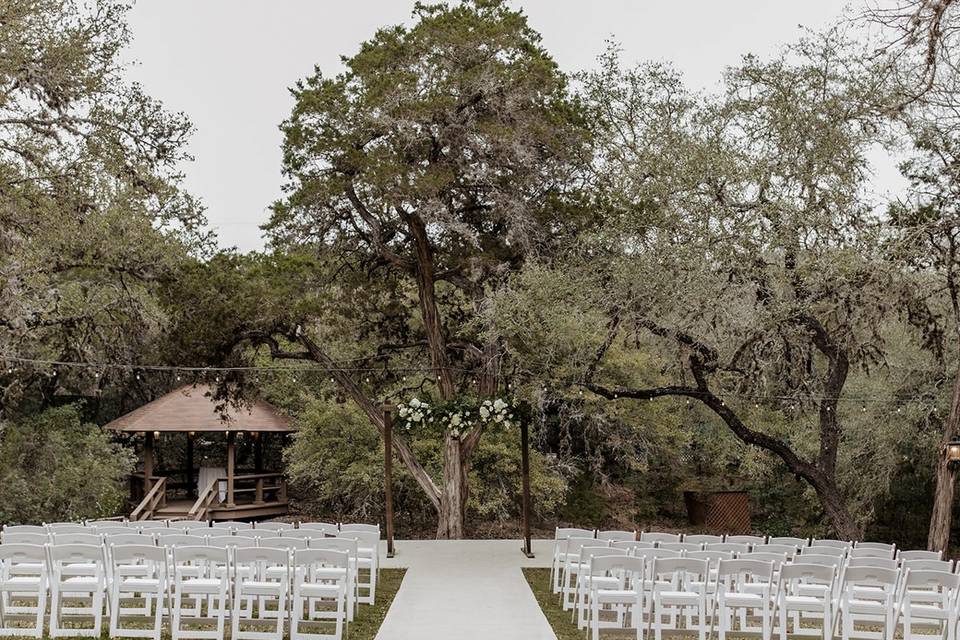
{"type": "Point", "coordinates": [228, 64]}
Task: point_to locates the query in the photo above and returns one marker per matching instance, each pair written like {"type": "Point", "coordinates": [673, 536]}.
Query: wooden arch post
{"type": "Point", "coordinates": [525, 414]}
{"type": "Point", "coordinates": [388, 474]}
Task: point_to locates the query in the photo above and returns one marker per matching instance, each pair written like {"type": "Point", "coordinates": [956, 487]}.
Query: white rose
{"type": "Point", "coordinates": [499, 405]}
{"type": "Point", "coordinates": [403, 412]}
{"type": "Point", "coordinates": [455, 419]}
{"type": "Point", "coordinates": [498, 418]}
{"type": "Point", "coordinates": [417, 417]}
{"type": "Point", "coordinates": [414, 403]}
{"type": "Point", "coordinates": [487, 403]}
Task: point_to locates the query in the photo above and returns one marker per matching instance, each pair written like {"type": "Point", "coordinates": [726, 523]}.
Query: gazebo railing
{"type": "Point", "coordinates": [256, 485]}
{"type": "Point", "coordinates": [207, 497]}
{"type": "Point", "coordinates": [155, 499]}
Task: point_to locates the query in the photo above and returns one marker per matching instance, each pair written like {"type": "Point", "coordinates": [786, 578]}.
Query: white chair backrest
{"type": "Point", "coordinates": [369, 528]}
{"type": "Point", "coordinates": [322, 526]}
{"type": "Point", "coordinates": [562, 533]}
{"type": "Point", "coordinates": [63, 555]}
{"type": "Point", "coordinates": [24, 528]}
{"type": "Point", "coordinates": [180, 540]}
{"type": "Point", "coordinates": [922, 564]}
{"type": "Point", "coordinates": [231, 541]}
{"type": "Point", "coordinates": [681, 571]}
{"type": "Point", "coordinates": [131, 554]}
{"type": "Point", "coordinates": [651, 554]}
{"type": "Point", "coordinates": [734, 574]}
{"type": "Point", "coordinates": [69, 528]}
{"type": "Point", "coordinates": [18, 553]}
{"type": "Point", "coordinates": [586, 553]}
{"type": "Point", "coordinates": [776, 559]}
{"type": "Point", "coordinates": [712, 557]}
{"type": "Point", "coordinates": [858, 552]}
{"type": "Point", "coordinates": [788, 540]}
{"type": "Point", "coordinates": [250, 533]}
{"type": "Point", "coordinates": [76, 538]}
{"type": "Point", "coordinates": [631, 545]}
{"type": "Point", "coordinates": [129, 538]}
{"type": "Point", "coordinates": [745, 539]}
{"type": "Point", "coordinates": [681, 546]}
{"type": "Point", "coordinates": [655, 536]}
{"type": "Point", "coordinates": [190, 524]}
{"type": "Point", "coordinates": [233, 525]}
{"type": "Point", "coordinates": [303, 533]}
{"type": "Point", "coordinates": [792, 576]}
{"type": "Point", "coordinates": [113, 530]}
{"type": "Point", "coordinates": [149, 526]}
{"type": "Point", "coordinates": [870, 561]}
{"type": "Point", "coordinates": [920, 554]}
{"type": "Point", "coordinates": [788, 549]}
{"type": "Point", "coordinates": [941, 582]}
{"type": "Point", "coordinates": [882, 546]}
{"type": "Point", "coordinates": [854, 577]}
{"type": "Point", "coordinates": [260, 558]}
{"type": "Point", "coordinates": [730, 547]}
{"type": "Point", "coordinates": [312, 558]}
{"type": "Point", "coordinates": [205, 558]}
{"type": "Point", "coordinates": [840, 552]}
{"type": "Point", "coordinates": [702, 538]}
{"type": "Point", "coordinates": [815, 558]}
{"type": "Point", "coordinates": [283, 543]}
{"type": "Point", "coordinates": [840, 544]}
{"type": "Point", "coordinates": [272, 526]}
{"type": "Point", "coordinates": [16, 537]}
{"type": "Point", "coordinates": [346, 545]}
{"type": "Point", "coordinates": [617, 536]}
{"type": "Point", "coordinates": [573, 544]}
{"type": "Point", "coordinates": [618, 565]}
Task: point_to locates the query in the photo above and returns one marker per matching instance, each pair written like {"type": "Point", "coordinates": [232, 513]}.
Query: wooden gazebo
{"type": "Point", "coordinates": [221, 493]}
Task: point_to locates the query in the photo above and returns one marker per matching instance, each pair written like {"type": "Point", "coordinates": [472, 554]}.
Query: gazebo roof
{"type": "Point", "coordinates": [192, 408]}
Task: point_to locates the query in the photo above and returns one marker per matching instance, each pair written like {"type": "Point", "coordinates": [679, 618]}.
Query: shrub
{"type": "Point", "coordinates": [54, 466]}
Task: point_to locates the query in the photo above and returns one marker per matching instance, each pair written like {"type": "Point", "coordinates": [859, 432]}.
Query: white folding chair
{"type": "Point", "coordinates": [617, 536]}
{"type": "Point", "coordinates": [72, 537]}
{"type": "Point", "coordinates": [702, 538]}
{"type": "Point", "coordinates": [560, 536]}
{"type": "Point", "coordinates": [138, 571]}
{"type": "Point", "coordinates": [586, 581]}
{"type": "Point", "coordinates": [198, 575]}
{"type": "Point", "coordinates": [753, 541]}
{"type": "Point", "coordinates": [930, 599]}
{"type": "Point", "coordinates": [680, 546]}
{"type": "Point", "coordinates": [729, 547]}
{"type": "Point", "coordinates": [24, 576]}
{"type": "Point", "coordinates": [868, 596]}
{"type": "Point", "coordinates": [368, 557]}
{"type": "Point", "coordinates": [873, 561]}
{"type": "Point", "coordinates": [622, 590]}
{"type": "Point", "coordinates": [685, 594]}
{"type": "Point", "coordinates": [571, 561]}
{"type": "Point", "coordinates": [795, 594]}
{"type": "Point", "coordinates": [744, 587]}
{"type": "Point", "coordinates": [354, 526]}
{"type": "Point", "coordinates": [320, 576]}
{"type": "Point", "coordinates": [267, 580]}
{"type": "Point", "coordinates": [329, 528]}
{"type": "Point", "coordinates": [78, 573]}
{"type": "Point", "coordinates": [348, 546]}
{"type": "Point", "coordinates": [923, 564]}
{"type": "Point", "coordinates": [881, 546]}
{"type": "Point", "coordinates": [165, 539]}
{"type": "Point", "coordinates": [787, 549]}
{"type": "Point", "coordinates": [69, 527]}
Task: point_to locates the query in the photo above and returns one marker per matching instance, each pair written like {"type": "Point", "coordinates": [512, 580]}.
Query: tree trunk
{"type": "Point", "coordinates": [844, 526]}
{"type": "Point", "coordinates": [453, 495]}
{"type": "Point", "coordinates": [938, 537]}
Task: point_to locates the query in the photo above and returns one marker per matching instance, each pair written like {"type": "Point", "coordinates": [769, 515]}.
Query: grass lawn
{"type": "Point", "coordinates": [563, 626]}
{"type": "Point", "coordinates": [365, 624]}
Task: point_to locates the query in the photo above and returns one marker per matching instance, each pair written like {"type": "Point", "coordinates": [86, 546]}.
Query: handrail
{"type": "Point", "coordinates": [199, 509]}
{"type": "Point", "coordinates": [151, 501]}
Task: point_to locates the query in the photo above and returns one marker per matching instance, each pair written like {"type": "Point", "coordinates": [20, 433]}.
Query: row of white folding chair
{"type": "Point", "coordinates": [198, 573]}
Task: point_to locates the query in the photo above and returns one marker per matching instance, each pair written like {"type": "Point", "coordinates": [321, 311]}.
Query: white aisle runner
{"type": "Point", "coordinates": [466, 589]}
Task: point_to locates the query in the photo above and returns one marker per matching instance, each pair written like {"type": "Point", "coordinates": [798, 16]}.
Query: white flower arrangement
{"type": "Point", "coordinates": [456, 418]}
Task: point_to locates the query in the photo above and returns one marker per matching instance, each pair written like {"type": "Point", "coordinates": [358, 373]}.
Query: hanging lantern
{"type": "Point", "coordinates": [953, 453]}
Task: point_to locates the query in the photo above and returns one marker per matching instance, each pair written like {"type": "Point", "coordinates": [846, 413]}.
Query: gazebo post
{"type": "Point", "coordinates": [190, 484]}
{"type": "Point", "coordinates": [147, 461]}
{"type": "Point", "coordinates": [231, 458]}
{"type": "Point", "coordinates": [258, 450]}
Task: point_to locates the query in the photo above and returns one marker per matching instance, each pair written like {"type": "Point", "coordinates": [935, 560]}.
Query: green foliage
{"type": "Point", "coordinates": [335, 464]}
{"type": "Point", "coordinates": [55, 467]}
